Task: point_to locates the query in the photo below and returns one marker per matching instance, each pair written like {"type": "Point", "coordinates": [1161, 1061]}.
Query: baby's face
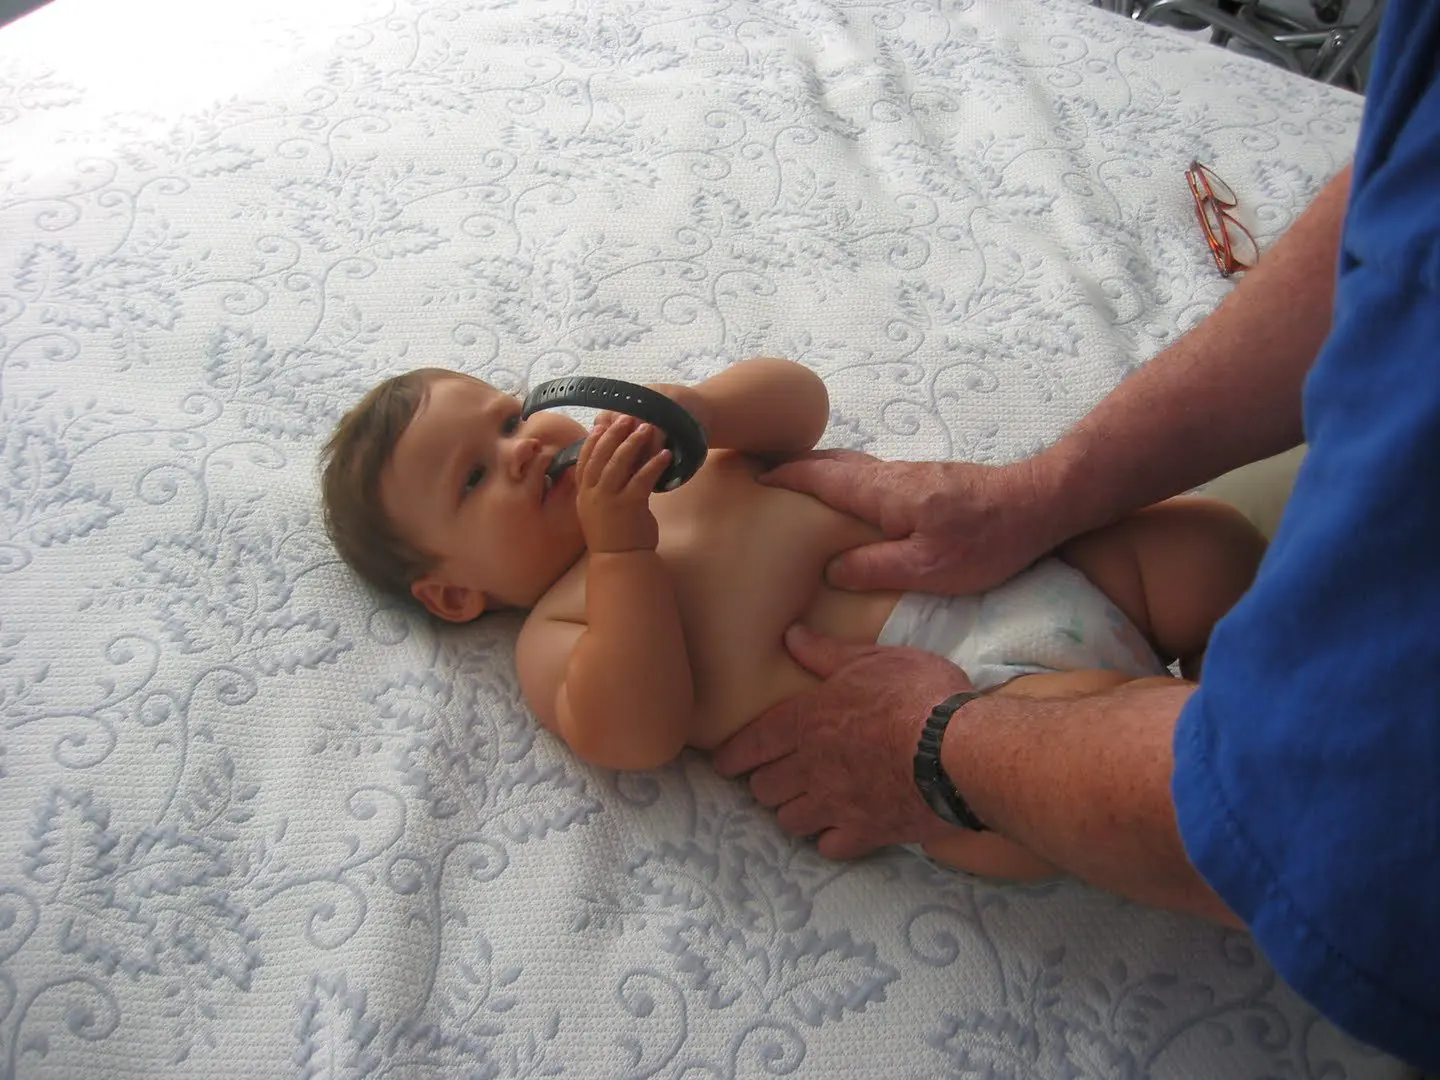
{"type": "Point", "coordinates": [467, 483]}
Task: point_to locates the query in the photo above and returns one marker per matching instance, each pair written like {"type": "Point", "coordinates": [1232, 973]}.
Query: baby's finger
{"type": "Point", "coordinates": [621, 466]}
{"type": "Point", "coordinates": [602, 445]}
{"type": "Point", "coordinates": [648, 475]}
{"type": "Point", "coordinates": [583, 461]}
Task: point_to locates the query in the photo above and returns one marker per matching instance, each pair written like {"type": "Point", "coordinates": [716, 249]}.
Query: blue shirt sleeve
{"type": "Point", "coordinates": [1307, 764]}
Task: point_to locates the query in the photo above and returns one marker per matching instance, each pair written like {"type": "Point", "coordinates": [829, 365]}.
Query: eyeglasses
{"type": "Point", "coordinates": [1230, 242]}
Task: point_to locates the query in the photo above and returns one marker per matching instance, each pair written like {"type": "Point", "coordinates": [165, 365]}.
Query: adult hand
{"type": "Point", "coordinates": [839, 761]}
{"type": "Point", "coordinates": [950, 527]}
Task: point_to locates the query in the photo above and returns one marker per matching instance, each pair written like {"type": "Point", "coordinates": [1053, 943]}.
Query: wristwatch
{"type": "Point", "coordinates": [935, 786]}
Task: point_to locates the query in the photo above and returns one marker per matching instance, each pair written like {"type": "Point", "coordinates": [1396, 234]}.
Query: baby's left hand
{"type": "Point", "coordinates": [619, 466]}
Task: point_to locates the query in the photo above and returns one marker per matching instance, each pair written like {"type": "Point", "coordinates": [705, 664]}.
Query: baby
{"type": "Point", "coordinates": [656, 621]}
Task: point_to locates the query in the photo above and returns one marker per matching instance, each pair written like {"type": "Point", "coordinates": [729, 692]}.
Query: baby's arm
{"type": "Point", "coordinates": [771, 408]}
{"type": "Point", "coordinates": [618, 689]}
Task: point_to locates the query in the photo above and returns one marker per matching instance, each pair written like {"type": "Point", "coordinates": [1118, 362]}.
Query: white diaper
{"type": "Point", "coordinates": [1045, 619]}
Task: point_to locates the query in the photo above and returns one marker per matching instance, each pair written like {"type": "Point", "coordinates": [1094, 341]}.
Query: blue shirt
{"type": "Point", "coordinates": [1307, 765]}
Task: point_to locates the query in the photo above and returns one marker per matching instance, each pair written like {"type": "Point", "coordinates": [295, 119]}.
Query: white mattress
{"type": "Point", "coordinates": [256, 821]}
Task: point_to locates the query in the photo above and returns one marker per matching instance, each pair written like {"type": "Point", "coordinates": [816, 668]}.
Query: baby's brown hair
{"type": "Point", "coordinates": [351, 464]}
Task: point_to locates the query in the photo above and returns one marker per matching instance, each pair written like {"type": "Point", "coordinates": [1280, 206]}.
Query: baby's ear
{"type": "Point", "coordinates": [448, 601]}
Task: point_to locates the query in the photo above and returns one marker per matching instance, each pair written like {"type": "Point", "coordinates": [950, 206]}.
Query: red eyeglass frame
{"type": "Point", "coordinates": [1222, 247]}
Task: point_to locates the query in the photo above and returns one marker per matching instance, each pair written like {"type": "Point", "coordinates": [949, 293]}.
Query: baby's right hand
{"type": "Point", "coordinates": [619, 466]}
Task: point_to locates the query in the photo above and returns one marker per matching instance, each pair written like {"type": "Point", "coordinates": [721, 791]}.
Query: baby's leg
{"type": "Point", "coordinates": [1174, 569]}
{"type": "Point", "coordinates": [990, 856]}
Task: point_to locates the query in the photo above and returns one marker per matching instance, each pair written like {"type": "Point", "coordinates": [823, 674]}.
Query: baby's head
{"type": "Point", "coordinates": [434, 488]}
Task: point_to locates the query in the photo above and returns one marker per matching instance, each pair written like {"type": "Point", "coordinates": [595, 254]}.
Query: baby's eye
{"type": "Point", "coordinates": [473, 479]}
{"type": "Point", "coordinates": [511, 425]}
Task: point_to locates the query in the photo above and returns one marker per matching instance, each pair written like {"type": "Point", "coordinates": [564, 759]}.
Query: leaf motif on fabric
{"type": "Point", "coordinates": [48, 269]}
{"type": "Point", "coordinates": [995, 1046]}
{"type": "Point", "coordinates": [718, 961]}
{"type": "Point", "coordinates": [474, 1023]}
{"type": "Point", "coordinates": [462, 747]}
{"type": "Point", "coordinates": [822, 978]}
{"type": "Point", "coordinates": [227, 590]}
{"type": "Point", "coordinates": [25, 88]}
{"type": "Point", "coordinates": [334, 1033]}
{"type": "Point", "coordinates": [70, 841]}
{"type": "Point", "coordinates": [214, 159]}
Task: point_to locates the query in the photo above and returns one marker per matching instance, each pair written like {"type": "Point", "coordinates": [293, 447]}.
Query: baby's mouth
{"type": "Point", "coordinates": [563, 460]}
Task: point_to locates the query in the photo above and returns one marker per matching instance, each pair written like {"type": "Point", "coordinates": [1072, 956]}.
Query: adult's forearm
{"type": "Point", "coordinates": [1084, 782]}
{"type": "Point", "coordinates": [1224, 395]}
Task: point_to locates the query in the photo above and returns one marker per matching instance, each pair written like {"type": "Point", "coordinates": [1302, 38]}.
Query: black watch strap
{"type": "Point", "coordinates": [936, 788]}
{"type": "Point", "coordinates": [684, 436]}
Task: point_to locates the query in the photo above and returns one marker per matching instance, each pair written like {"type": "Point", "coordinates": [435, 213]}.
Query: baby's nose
{"type": "Point", "coordinates": [522, 453]}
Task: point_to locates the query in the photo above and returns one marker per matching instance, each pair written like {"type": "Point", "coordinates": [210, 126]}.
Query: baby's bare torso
{"type": "Point", "coordinates": [746, 561]}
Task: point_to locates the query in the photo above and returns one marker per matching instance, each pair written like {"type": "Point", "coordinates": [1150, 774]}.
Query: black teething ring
{"type": "Point", "coordinates": [684, 436]}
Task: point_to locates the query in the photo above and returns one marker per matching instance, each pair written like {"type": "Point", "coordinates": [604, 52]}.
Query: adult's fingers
{"type": "Point", "coordinates": [770, 736]}
{"type": "Point", "coordinates": [819, 654]}
{"type": "Point", "coordinates": [777, 782]}
{"type": "Point", "coordinates": [834, 454]}
{"type": "Point", "coordinates": [899, 565]}
{"type": "Point", "coordinates": [847, 480]}
{"type": "Point", "coordinates": [842, 844]}
{"type": "Point", "coordinates": [802, 817]}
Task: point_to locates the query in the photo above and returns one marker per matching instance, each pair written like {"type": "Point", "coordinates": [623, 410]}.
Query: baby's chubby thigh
{"type": "Point", "coordinates": [988, 855]}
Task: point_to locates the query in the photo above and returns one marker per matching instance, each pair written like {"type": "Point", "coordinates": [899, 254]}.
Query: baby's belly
{"type": "Point", "coordinates": [747, 561]}
{"type": "Point", "coordinates": [736, 682]}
